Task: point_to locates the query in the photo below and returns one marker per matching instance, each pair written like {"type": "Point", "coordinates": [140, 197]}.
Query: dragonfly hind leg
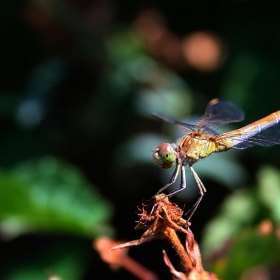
{"type": "Point", "coordinates": [202, 191]}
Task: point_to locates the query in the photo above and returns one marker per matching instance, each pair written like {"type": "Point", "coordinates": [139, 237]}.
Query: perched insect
{"type": "Point", "coordinates": [201, 141]}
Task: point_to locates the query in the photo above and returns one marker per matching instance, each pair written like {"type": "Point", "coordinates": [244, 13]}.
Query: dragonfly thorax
{"type": "Point", "coordinates": [195, 146]}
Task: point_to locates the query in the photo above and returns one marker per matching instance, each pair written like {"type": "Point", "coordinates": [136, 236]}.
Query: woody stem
{"type": "Point", "coordinates": [172, 237]}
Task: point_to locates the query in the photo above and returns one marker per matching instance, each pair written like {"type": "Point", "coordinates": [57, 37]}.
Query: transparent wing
{"type": "Point", "coordinates": [219, 113]}
{"type": "Point", "coordinates": [240, 140]}
{"type": "Point", "coordinates": [184, 126]}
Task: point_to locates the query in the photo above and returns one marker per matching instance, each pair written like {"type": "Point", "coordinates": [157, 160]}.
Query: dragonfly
{"type": "Point", "coordinates": [201, 140]}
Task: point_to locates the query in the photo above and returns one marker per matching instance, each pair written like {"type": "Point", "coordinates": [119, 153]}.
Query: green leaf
{"type": "Point", "coordinates": [269, 190]}
{"type": "Point", "coordinates": [250, 249]}
{"type": "Point", "coordinates": [50, 195]}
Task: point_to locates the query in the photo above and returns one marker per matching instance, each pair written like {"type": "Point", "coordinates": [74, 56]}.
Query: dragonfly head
{"type": "Point", "coordinates": [165, 155]}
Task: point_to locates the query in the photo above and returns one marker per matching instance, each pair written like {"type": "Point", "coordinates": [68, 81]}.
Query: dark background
{"type": "Point", "coordinates": [79, 82]}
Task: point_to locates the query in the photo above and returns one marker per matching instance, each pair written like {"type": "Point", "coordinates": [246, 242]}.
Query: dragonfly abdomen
{"type": "Point", "coordinates": [260, 125]}
{"type": "Point", "coordinates": [238, 136]}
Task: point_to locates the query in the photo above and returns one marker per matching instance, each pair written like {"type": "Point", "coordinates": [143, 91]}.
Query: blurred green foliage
{"type": "Point", "coordinates": [50, 196]}
{"type": "Point", "coordinates": [54, 197]}
{"type": "Point", "coordinates": [237, 228]}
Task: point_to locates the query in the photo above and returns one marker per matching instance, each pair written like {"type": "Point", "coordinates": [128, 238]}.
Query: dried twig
{"type": "Point", "coordinates": [162, 219]}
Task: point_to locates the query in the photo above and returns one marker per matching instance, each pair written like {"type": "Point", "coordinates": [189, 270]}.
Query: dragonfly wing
{"type": "Point", "coordinates": [243, 145]}
{"type": "Point", "coordinates": [219, 113]}
{"type": "Point", "coordinates": [184, 126]}
{"type": "Point", "coordinates": [266, 138]}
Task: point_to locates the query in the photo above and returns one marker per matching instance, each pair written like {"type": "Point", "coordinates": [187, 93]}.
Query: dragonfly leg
{"type": "Point", "coordinates": [173, 177]}
{"type": "Point", "coordinates": [183, 182]}
{"type": "Point", "coordinates": [202, 191]}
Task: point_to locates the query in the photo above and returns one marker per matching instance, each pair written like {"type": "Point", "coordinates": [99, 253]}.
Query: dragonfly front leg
{"type": "Point", "coordinates": [173, 177]}
{"type": "Point", "coordinates": [202, 191]}
{"type": "Point", "coordinates": [183, 182]}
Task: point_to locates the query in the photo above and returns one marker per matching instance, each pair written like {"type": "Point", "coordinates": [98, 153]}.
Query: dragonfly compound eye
{"type": "Point", "coordinates": [165, 155]}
